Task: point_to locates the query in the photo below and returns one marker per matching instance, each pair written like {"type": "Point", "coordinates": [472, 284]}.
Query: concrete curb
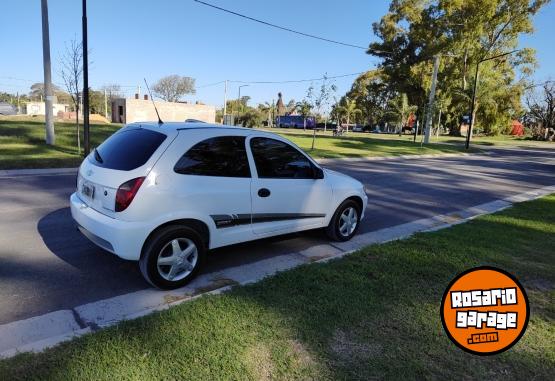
{"type": "Point", "coordinates": [36, 172]}
{"type": "Point", "coordinates": [398, 157]}
{"type": "Point", "coordinates": [41, 332]}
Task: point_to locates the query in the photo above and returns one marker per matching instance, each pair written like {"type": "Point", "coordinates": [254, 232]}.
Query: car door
{"type": "Point", "coordinates": [215, 178]}
{"type": "Point", "coordinates": [285, 194]}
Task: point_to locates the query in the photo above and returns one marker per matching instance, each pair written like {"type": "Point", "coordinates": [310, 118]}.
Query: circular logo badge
{"type": "Point", "coordinates": [485, 310]}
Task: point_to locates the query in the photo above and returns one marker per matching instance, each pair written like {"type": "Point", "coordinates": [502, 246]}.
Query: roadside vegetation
{"type": "Point", "coordinates": [372, 314]}
{"type": "Point", "coordinates": [22, 144]}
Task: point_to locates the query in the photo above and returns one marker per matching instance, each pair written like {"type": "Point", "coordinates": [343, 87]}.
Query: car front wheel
{"type": "Point", "coordinates": [172, 257]}
{"type": "Point", "coordinates": [345, 221]}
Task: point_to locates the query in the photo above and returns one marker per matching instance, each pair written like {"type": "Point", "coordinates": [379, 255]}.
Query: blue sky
{"type": "Point", "coordinates": [132, 39]}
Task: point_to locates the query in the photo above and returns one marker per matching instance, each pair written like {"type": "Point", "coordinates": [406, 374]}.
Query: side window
{"type": "Point", "coordinates": [276, 159]}
{"type": "Point", "coordinates": [223, 156]}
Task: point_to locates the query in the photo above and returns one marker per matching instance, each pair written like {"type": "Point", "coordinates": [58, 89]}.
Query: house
{"type": "Point", "coordinates": [129, 110]}
{"type": "Point", "coordinates": [39, 108]}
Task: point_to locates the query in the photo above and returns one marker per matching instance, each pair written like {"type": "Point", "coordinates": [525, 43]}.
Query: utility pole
{"type": "Point", "coordinates": [85, 82]}
{"type": "Point", "coordinates": [429, 114]}
{"type": "Point", "coordinates": [105, 105]}
{"type": "Point", "coordinates": [225, 101]}
{"type": "Point", "coordinates": [49, 118]}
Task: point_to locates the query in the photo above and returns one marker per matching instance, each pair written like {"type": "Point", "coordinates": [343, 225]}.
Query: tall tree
{"type": "Point", "coordinates": [463, 32]}
{"type": "Point", "coordinates": [172, 87]}
{"type": "Point", "coordinates": [541, 106]}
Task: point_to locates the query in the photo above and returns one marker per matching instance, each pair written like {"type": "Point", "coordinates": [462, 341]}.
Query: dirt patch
{"type": "Point", "coordinates": [215, 284]}
{"type": "Point", "coordinates": [348, 349]}
{"type": "Point", "coordinates": [260, 362]}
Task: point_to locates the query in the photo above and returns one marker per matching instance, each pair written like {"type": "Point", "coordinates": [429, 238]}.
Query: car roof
{"type": "Point", "coordinates": [182, 125]}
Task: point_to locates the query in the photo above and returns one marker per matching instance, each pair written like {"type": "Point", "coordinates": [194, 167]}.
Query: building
{"type": "Point", "coordinates": [126, 110]}
{"type": "Point", "coordinates": [38, 108]}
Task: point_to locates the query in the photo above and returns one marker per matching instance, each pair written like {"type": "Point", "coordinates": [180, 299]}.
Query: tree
{"type": "Point", "coordinates": [463, 33]}
{"type": "Point", "coordinates": [304, 107]}
{"type": "Point", "coordinates": [71, 70]}
{"type": "Point", "coordinates": [371, 92]}
{"type": "Point", "coordinates": [399, 110]}
{"type": "Point", "coordinates": [172, 87]}
{"type": "Point", "coordinates": [96, 101]}
{"type": "Point", "coordinates": [37, 91]}
{"type": "Point", "coordinates": [321, 99]}
{"type": "Point", "coordinates": [291, 106]}
{"type": "Point", "coordinates": [541, 109]}
{"type": "Point", "coordinates": [268, 109]}
{"type": "Point", "coordinates": [113, 92]}
{"type": "Point", "coordinates": [349, 109]}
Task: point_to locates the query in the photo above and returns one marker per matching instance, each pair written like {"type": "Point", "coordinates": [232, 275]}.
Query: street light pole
{"type": "Point", "coordinates": [474, 90]}
{"type": "Point", "coordinates": [85, 82]}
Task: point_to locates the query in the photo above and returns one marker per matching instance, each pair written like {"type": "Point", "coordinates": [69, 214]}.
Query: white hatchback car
{"type": "Point", "coordinates": [164, 194]}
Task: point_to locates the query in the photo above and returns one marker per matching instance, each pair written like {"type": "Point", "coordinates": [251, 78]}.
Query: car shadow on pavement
{"type": "Point", "coordinates": [107, 271]}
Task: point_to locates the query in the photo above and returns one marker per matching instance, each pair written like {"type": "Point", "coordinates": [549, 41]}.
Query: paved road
{"type": "Point", "coordinates": [46, 265]}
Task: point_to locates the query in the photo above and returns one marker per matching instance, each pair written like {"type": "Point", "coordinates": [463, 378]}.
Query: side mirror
{"type": "Point", "coordinates": [318, 173]}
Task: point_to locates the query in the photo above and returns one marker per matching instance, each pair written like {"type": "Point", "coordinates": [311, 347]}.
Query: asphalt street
{"type": "Point", "coordinates": [46, 265]}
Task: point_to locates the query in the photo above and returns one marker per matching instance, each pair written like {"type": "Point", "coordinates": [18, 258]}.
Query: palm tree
{"type": "Point", "coordinates": [349, 108]}
{"type": "Point", "coordinates": [269, 109]}
{"type": "Point", "coordinates": [399, 110]}
{"type": "Point", "coordinates": [304, 107]}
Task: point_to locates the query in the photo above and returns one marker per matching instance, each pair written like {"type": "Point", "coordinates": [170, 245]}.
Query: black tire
{"type": "Point", "coordinates": [333, 230]}
{"type": "Point", "coordinates": [153, 273]}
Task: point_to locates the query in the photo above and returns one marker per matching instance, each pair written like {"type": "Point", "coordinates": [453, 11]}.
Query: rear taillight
{"type": "Point", "coordinates": [126, 192]}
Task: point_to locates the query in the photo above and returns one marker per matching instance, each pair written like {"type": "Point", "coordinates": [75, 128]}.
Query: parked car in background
{"type": "Point", "coordinates": [165, 194]}
{"type": "Point", "coordinates": [7, 109]}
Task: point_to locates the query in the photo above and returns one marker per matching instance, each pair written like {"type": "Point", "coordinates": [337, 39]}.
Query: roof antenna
{"type": "Point", "coordinates": [154, 104]}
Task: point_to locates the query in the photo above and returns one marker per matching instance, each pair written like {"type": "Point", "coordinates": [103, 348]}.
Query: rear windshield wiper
{"type": "Point", "coordinates": [97, 156]}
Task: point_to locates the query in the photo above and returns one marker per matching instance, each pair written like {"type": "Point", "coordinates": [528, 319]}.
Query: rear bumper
{"type": "Point", "coordinates": [122, 238]}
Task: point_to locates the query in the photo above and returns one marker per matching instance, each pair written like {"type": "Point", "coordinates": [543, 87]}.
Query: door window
{"type": "Point", "coordinates": [223, 156]}
{"type": "Point", "coordinates": [276, 159]}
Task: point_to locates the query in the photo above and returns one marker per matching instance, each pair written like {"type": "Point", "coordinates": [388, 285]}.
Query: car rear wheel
{"type": "Point", "coordinates": [172, 257]}
{"type": "Point", "coordinates": [345, 221]}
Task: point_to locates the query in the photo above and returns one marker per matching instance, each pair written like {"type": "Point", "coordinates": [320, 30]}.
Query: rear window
{"type": "Point", "coordinates": [127, 149]}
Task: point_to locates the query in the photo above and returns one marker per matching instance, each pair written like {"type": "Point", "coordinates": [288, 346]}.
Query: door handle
{"type": "Point", "coordinates": [263, 192]}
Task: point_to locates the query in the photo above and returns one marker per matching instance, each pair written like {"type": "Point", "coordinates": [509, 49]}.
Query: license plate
{"type": "Point", "coordinates": [88, 190]}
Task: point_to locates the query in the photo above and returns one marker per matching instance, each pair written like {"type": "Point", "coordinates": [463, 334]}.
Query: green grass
{"type": "Point", "coordinates": [458, 141]}
{"type": "Point", "coordinates": [372, 314]}
{"type": "Point", "coordinates": [22, 144]}
{"type": "Point", "coordinates": [363, 145]}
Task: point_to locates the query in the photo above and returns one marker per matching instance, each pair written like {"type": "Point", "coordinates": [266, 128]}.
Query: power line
{"type": "Point", "coordinates": [302, 80]}
{"type": "Point", "coordinates": [281, 27]}
{"type": "Point", "coordinates": [286, 81]}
